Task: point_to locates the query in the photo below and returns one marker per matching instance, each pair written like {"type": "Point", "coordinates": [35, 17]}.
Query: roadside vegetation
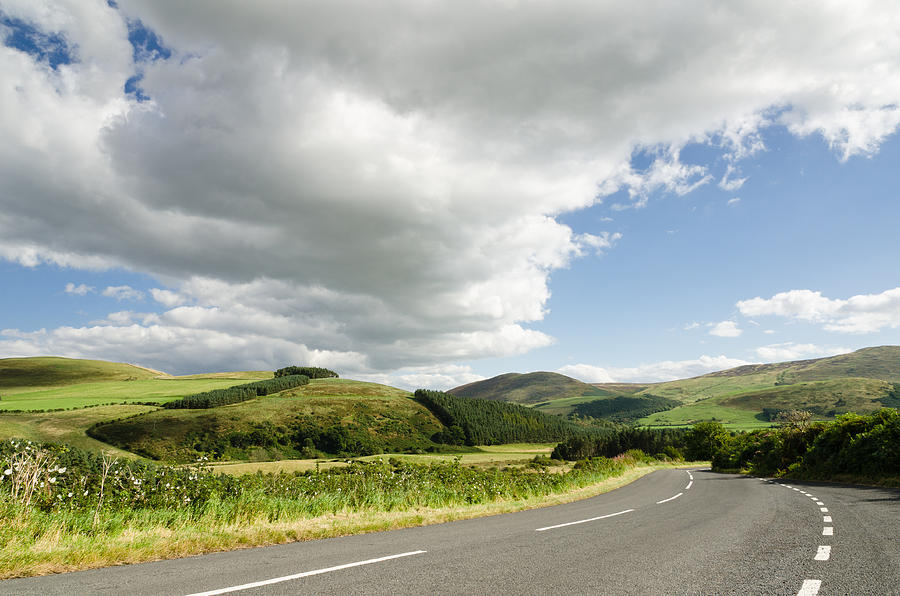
{"type": "Point", "coordinates": [852, 448]}
{"type": "Point", "coordinates": [67, 509]}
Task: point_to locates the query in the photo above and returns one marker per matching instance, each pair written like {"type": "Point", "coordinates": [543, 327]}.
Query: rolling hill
{"type": "Point", "coordinates": [116, 407]}
{"type": "Point", "coordinates": [20, 374]}
{"type": "Point", "coordinates": [742, 397]}
{"type": "Point", "coordinates": [528, 388]}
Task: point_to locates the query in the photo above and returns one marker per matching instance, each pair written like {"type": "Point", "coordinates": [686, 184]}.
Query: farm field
{"type": "Point", "coordinates": [158, 390]}
{"type": "Point", "coordinates": [485, 455]}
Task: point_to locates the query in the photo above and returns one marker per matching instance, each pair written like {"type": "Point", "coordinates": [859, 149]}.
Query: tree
{"type": "Point", "coordinates": [704, 440]}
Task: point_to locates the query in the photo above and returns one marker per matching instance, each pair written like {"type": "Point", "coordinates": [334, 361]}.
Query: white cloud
{"type": "Point", "coordinates": [167, 297]}
{"type": "Point", "coordinates": [734, 201]}
{"type": "Point", "coordinates": [724, 329]}
{"type": "Point", "coordinates": [668, 370]}
{"type": "Point", "coordinates": [79, 290]}
{"type": "Point", "coordinates": [439, 378]}
{"type": "Point", "coordinates": [729, 184]}
{"type": "Point", "coordinates": [692, 325]}
{"type": "Point", "coordinates": [863, 313]}
{"type": "Point", "coordinates": [123, 293]}
{"type": "Point", "coordinates": [793, 351]}
{"type": "Point", "coordinates": [416, 158]}
{"type": "Point", "coordinates": [599, 243]}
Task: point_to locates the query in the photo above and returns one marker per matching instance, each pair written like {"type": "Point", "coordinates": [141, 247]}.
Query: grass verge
{"type": "Point", "coordinates": [36, 542]}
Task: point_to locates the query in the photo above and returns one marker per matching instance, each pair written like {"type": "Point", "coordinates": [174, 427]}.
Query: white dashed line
{"type": "Point", "coordinates": [306, 574]}
{"type": "Point", "coordinates": [810, 587]}
{"type": "Point", "coordinates": [819, 503]}
{"type": "Point", "coordinates": [828, 531]}
{"type": "Point", "coordinates": [826, 519]}
{"type": "Point", "coordinates": [583, 521]}
{"type": "Point", "coordinates": [823, 554]}
{"type": "Point", "coordinates": [669, 499]}
{"type": "Point", "coordinates": [823, 509]}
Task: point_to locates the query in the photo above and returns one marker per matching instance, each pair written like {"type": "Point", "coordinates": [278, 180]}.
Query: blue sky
{"type": "Point", "coordinates": [410, 199]}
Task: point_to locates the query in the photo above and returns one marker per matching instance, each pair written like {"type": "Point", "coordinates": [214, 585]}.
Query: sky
{"type": "Point", "coordinates": [426, 194]}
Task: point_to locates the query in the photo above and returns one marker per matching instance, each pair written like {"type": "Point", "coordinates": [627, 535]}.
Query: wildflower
{"type": "Point", "coordinates": [53, 480]}
{"type": "Point", "coordinates": [62, 470]}
{"type": "Point", "coordinates": [7, 472]}
{"type": "Point", "coordinates": [69, 495]}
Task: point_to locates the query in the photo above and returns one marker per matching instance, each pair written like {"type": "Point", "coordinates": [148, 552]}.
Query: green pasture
{"type": "Point", "coordinates": [66, 427]}
{"type": "Point", "coordinates": [709, 409]}
{"type": "Point", "coordinates": [157, 390]}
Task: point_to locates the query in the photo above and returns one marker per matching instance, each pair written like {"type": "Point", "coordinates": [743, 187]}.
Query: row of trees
{"type": "Point", "coordinates": [313, 372]}
{"type": "Point", "coordinates": [624, 408]}
{"type": "Point", "coordinates": [238, 393]}
{"type": "Point", "coordinates": [473, 421]}
{"type": "Point", "coordinates": [670, 442]}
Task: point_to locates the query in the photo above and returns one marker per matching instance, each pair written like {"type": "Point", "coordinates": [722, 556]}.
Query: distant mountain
{"type": "Point", "coordinates": [745, 396]}
{"type": "Point", "coordinates": [531, 388]}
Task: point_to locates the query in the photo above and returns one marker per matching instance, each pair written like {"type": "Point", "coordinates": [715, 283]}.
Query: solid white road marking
{"type": "Point", "coordinates": [689, 485]}
{"type": "Point", "coordinates": [583, 521]}
{"type": "Point", "coordinates": [826, 519]}
{"type": "Point", "coordinates": [306, 574]}
{"type": "Point", "coordinates": [810, 587]}
{"type": "Point", "coordinates": [828, 531]}
{"type": "Point", "coordinates": [669, 499]}
{"type": "Point", "coordinates": [823, 554]}
{"type": "Point", "coordinates": [823, 509]}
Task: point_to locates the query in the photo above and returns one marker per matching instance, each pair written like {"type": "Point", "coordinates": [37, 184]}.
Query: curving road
{"type": "Point", "coordinates": [671, 532]}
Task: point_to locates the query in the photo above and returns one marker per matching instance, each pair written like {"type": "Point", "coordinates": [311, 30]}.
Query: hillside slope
{"type": "Point", "coordinates": [528, 388]}
{"type": "Point", "coordinates": [881, 363]}
{"type": "Point", "coordinates": [38, 372]}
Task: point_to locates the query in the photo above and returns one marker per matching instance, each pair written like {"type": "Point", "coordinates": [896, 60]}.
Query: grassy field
{"type": "Point", "coordinates": [486, 455]}
{"type": "Point", "coordinates": [66, 427]}
{"type": "Point", "coordinates": [27, 374]}
{"type": "Point", "coordinates": [104, 392]}
{"type": "Point", "coordinates": [732, 418]}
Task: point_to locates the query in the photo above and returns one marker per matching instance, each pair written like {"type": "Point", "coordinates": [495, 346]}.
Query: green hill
{"type": "Point", "coordinates": [742, 397]}
{"type": "Point", "coordinates": [747, 396]}
{"type": "Point", "coordinates": [20, 374]}
{"type": "Point", "coordinates": [528, 388]}
{"type": "Point", "coordinates": [333, 416]}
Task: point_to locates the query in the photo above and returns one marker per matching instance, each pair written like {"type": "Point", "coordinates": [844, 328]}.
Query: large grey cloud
{"type": "Point", "coordinates": [379, 182]}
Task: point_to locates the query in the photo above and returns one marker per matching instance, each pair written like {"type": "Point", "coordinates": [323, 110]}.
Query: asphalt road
{"type": "Point", "coordinates": [671, 532]}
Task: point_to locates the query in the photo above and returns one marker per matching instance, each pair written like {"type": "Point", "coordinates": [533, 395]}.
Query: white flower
{"type": "Point", "coordinates": [53, 480]}
{"type": "Point", "coordinates": [7, 472]}
{"type": "Point", "coordinates": [62, 470]}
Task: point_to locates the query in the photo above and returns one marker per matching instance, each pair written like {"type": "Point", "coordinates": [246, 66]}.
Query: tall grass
{"type": "Point", "coordinates": [147, 512]}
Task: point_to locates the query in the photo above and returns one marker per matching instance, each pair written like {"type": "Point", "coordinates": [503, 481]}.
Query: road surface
{"type": "Point", "coordinates": [671, 532]}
